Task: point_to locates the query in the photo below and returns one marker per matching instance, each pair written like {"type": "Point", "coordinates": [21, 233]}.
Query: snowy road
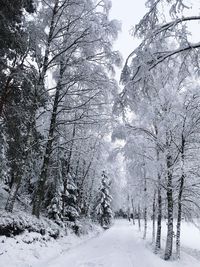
{"type": "Point", "coordinates": [119, 246]}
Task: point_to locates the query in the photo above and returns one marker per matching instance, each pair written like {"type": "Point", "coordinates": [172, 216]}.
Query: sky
{"type": "Point", "coordinates": [128, 12]}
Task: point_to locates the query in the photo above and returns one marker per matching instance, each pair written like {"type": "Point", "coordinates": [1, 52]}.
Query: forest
{"type": "Point", "coordinates": [83, 153]}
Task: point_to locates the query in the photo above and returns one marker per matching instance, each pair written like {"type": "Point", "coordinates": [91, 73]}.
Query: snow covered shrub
{"type": "Point", "coordinates": [17, 223]}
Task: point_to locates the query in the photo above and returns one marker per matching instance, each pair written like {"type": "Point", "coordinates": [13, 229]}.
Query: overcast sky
{"type": "Point", "coordinates": [129, 13]}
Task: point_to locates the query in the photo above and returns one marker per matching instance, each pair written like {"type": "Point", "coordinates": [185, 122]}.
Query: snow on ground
{"type": "Point", "coordinates": [29, 249]}
{"type": "Point", "coordinates": [190, 236]}
{"type": "Point", "coordinates": [120, 246]}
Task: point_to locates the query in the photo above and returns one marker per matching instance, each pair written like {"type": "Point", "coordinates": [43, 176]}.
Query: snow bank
{"type": "Point", "coordinates": [15, 223]}
{"type": "Point", "coordinates": [28, 249]}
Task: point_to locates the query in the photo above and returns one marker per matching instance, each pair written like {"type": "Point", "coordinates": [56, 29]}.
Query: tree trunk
{"type": "Point", "coordinates": [159, 222]}
{"type": "Point", "coordinates": [139, 219]}
{"type": "Point", "coordinates": [159, 199]}
{"type": "Point", "coordinates": [178, 229]}
{"type": "Point", "coordinates": [39, 193]}
{"type": "Point", "coordinates": [65, 178]}
{"type": "Point", "coordinates": [145, 204]}
{"type": "Point", "coordinates": [133, 210]}
{"type": "Point", "coordinates": [169, 242]}
{"type": "Point", "coordinates": [145, 223]}
{"type": "Point", "coordinates": [128, 210]}
{"type": "Point", "coordinates": [179, 218]}
{"type": "Point", "coordinates": [154, 218]}
{"type": "Point", "coordinates": [13, 192]}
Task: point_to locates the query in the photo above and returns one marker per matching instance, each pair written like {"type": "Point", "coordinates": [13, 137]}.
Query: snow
{"type": "Point", "coordinates": [29, 249]}
{"type": "Point", "coordinates": [190, 236]}
{"type": "Point", "coordinates": [120, 246]}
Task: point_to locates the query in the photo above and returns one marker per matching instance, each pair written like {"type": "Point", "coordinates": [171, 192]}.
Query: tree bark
{"type": "Point", "coordinates": [154, 218]}
{"type": "Point", "coordinates": [128, 209]}
{"type": "Point", "coordinates": [133, 210]}
{"type": "Point", "coordinates": [145, 204]}
{"type": "Point", "coordinates": [169, 242]}
{"type": "Point", "coordinates": [13, 192]}
{"type": "Point", "coordinates": [179, 217]}
{"type": "Point", "coordinates": [159, 199]}
{"type": "Point", "coordinates": [159, 222]}
{"type": "Point", "coordinates": [178, 227]}
{"type": "Point", "coordinates": [139, 219]}
{"type": "Point", "coordinates": [145, 223]}
{"type": "Point", "coordinates": [65, 178]}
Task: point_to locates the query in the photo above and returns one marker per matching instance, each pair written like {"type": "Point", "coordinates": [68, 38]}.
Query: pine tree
{"type": "Point", "coordinates": [13, 43]}
{"type": "Point", "coordinates": [71, 212]}
{"type": "Point", "coordinates": [103, 209]}
{"type": "Point", "coordinates": [17, 94]}
{"type": "Point", "coordinates": [55, 208]}
{"type": "Point", "coordinates": [54, 187]}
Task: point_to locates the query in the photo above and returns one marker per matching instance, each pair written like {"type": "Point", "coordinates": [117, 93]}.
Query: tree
{"type": "Point", "coordinates": [103, 208]}
{"type": "Point", "coordinates": [14, 45]}
{"type": "Point", "coordinates": [156, 89]}
{"type": "Point", "coordinates": [21, 134]}
{"type": "Point", "coordinates": [72, 211]}
{"type": "Point", "coordinates": [81, 61]}
{"type": "Point", "coordinates": [57, 87]}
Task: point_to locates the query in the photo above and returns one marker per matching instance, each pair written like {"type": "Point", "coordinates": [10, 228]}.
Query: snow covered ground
{"type": "Point", "coordinates": [190, 237]}
{"type": "Point", "coordinates": [120, 246]}
{"type": "Point", "coordinates": [29, 249]}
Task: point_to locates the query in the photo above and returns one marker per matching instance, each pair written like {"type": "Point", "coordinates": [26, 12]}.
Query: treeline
{"type": "Point", "coordinates": [56, 64]}
{"type": "Point", "coordinates": [161, 130]}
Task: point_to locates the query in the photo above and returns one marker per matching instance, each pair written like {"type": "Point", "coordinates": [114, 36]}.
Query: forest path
{"type": "Point", "coordinates": [120, 246]}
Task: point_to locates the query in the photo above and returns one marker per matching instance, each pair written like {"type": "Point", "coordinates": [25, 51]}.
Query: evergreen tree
{"type": "Point", "coordinates": [103, 209]}
{"type": "Point", "coordinates": [14, 44]}
{"type": "Point", "coordinates": [54, 188]}
{"type": "Point", "coordinates": [22, 135]}
{"type": "Point", "coordinates": [18, 103]}
{"type": "Point", "coordinates": [71, 211]}
{"type": "Point", "coordinates": [55, 208]}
